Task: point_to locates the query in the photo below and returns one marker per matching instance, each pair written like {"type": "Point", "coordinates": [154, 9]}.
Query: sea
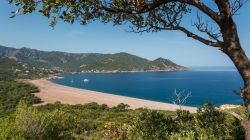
{"type": "Point", "coordinates": [218, 85]}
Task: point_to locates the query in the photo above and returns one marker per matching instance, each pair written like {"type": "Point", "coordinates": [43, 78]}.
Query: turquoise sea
{"type": "Point", "coordinates": [217, 85]}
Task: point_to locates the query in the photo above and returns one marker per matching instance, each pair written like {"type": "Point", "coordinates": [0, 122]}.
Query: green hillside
{"type": "Point", "coordinates": [87, 62]}
{"type": "Point", "coordinates": [12, 69]}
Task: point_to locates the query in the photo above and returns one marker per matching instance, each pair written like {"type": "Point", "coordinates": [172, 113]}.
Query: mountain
{"type": "Point", "coordinates": [86, 62]}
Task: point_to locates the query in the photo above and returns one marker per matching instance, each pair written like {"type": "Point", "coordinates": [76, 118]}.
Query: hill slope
{"type": "Point", "coordinates": [87, 62]}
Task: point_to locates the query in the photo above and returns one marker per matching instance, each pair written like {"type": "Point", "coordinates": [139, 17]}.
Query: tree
{"type": "Point", "coordinates": [180, 98]}
{"type": "Point", "coordinates": [219, 30]}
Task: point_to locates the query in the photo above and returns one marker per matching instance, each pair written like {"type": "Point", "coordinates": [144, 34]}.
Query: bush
{"type": "Point", "coordinates": [9, 129]}
{"type": "Point", "coordinates": [207, 123]}
{"type": "Point", "coordinates": [11, 93]}
{"type": "Point", "coordinates": [120, 107]}
{"type": "Point", "coordinates": [51, 125]}
{"type": "Point", "coordinates": [220, 124]}
{"type": "Point", "coordinates": [150, 124]}
{"type": "Point", "coordinates": [59, 121]}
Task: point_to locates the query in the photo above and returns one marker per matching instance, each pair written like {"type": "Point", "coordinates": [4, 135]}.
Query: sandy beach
{"type": "Point", "coordinates": [51, 92]}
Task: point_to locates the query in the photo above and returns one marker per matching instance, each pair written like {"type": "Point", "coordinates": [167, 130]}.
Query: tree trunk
{"type": "Point", "coordinates": [233, 49]}
{"type": "Point", "coordinates": [240, 60]}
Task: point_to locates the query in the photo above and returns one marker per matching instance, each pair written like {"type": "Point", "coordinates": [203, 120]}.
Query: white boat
{"type": "Point", "coordinates": [85, 80]}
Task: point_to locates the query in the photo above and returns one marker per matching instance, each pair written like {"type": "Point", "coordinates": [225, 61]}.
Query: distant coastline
{"type": "Point", "coordinates": [56, 76]}
{"type": "Point", "coordinates": [117, 71]}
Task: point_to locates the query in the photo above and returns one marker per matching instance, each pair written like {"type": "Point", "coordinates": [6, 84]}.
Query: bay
{"type": "Point", "coordinates": [217, 86]}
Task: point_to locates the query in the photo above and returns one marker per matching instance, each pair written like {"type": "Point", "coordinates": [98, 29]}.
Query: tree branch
{"type": "Point", "coordinates": [237, 5]}
{"type": "Point", "coordinates": [205, 28]}
{"type": "Point", "coordinates": [192, 35]}
{"type": "Point", "coordinates": [196, 37]}
{"type": "Point", "coordinates": [208, 11]}
{"type": "Point", "coordinates": [149, 7]}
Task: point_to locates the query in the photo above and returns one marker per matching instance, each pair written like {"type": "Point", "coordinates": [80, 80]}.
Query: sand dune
{"type": "Point", "coordinates": [51, 92]}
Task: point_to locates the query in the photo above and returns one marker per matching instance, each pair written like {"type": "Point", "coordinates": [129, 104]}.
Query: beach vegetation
{"type": "Point", "coordinates": [12, 92]}
{"type": "Point", "coordinates": [207, 123]}
{"type": "Point", "coordinates": [93, 121]}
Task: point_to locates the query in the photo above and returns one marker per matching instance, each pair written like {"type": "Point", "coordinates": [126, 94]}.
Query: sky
{"type": "Point", "coordinates": [33, 31]}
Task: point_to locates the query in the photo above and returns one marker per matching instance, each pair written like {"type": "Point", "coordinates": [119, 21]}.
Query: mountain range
{"type": "Point", "coordinates": [86, 62]}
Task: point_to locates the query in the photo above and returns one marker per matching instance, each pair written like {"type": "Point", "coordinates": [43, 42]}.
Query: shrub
{"type": "Point", "coordinates": [150, 124]}
{"type": "Point", "coordinates": [11, 93]}
{"type": "Point", "coordinates": [37, 125]}
{"type": "Point", "coordinates": [120, 107]}
{"type": "Point", "coordinates": [207, 123]}
{"type": "Point", "coordinates": [9, 129]}
{"type": "Point", "coordinates": [59, 121]}
{"type": "Point", "coordinates": [221, 125]}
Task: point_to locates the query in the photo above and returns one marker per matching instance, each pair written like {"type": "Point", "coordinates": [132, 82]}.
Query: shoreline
{"type": "Point", "coordinates": [117, 71]}
{"type": "Point", "coordinates": [51, 92]}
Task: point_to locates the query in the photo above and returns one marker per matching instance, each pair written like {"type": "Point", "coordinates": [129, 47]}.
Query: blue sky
{"type": "Point", "coordinates": [33, 31]}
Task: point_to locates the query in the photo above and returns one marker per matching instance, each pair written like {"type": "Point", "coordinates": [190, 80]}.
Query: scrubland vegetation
{"type": "Point", "coordinates": [12, 92]}
{"type": "Point", "coordinates": [93, 121]}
